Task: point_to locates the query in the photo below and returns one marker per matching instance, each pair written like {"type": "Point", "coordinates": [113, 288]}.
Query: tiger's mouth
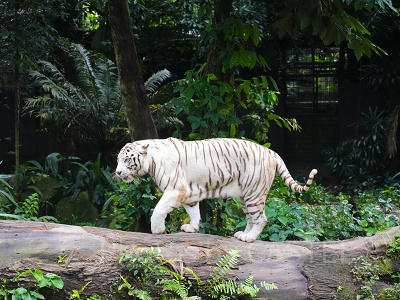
{"type": "Point", "coordinates": [125, 178]}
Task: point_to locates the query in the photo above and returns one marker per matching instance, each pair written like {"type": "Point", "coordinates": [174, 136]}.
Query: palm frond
{"type": "Point", "coordinates": [57, 91]}
{"type": "Point", "coordinates": [164, 117]}
{"type": "Point", "coordinates": [107, 80]}
{"type": "Point", "coordinates": [156, 80]}
{"type": "Point", "coordinates": [86, 74]}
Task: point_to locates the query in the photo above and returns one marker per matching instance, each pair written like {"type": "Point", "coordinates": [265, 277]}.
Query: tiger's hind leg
{"type": "Point", "coordinates": [194, 214]}
{"type": "Point", "coordinates": [249, 225]}
{"type": "Point", "coordinates": [256, 220]}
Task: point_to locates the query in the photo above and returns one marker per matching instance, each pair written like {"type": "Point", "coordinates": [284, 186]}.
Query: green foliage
{"type": "Point", "coordinates": [27, 211]}
{"type": "Point", "coordinates": [91, 107]}
{"type": "Point", "coordinates": [319, 215]}
{"type": "Point", "coordinates": [211, 106]}
{"type": "Point", "coordinates": [331, 21]}
{"type": "Point", "coordinates": [131, 202]}
{"type": "Point", "coordinates": [148, 264]}
{"type": "Point", "coordinates": [368, 270]}
{"type": "Point", "coordinates": [362, 158]}
{"type": "Point", "coordinates": [90, 177]}
{"type": "Point", "coordinates": [26, 33]}
{"type": "Point", "coordinates": [238, 36]}
{"type": "Point", "coordinates": [76, 295]}
{"type": "Point", "coordinates": [393, 250]}
{"type": "Point", "coordinates": [42, 280]}
{"type": "Point", "coordinates": [144, 263]}
{"type": "Point", "coordinates": [8, 193]}
{"type": "Point", "coordinates": [29, 208]}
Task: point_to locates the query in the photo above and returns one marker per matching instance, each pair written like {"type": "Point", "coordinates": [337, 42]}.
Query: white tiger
{"type": "Point", "coordinates": [188, 172]}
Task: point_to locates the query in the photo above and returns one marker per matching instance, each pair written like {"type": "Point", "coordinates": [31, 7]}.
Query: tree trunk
{"type": "Point", "coordinates": [222, 11]}
{"type": "Point", "coordinates": [17, 95]}
{"type": "Point", "coordinates": [301, 270]}
{"type": "Point", "coordinates": [133, 91]}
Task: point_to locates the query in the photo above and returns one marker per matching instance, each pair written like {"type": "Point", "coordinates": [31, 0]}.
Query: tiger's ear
{"type": "Point", "coordinates": [143, 149]}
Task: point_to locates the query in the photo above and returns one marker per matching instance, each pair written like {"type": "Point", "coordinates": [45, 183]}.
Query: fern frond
{"type": "Point", "coordinates": [175, 286]}
{"type": "Point", "coordinates": [249, 280]}
{"type": "Point", "coordinates": [268, 286]}
{"type": "Point", "coordinates": [140, 294]}
{"type": "Point", "coordinates": [155, 80]}
{"type": "Point", "coordinates": [58, 92]}
{"type": "Point", "coordinates": [226, 264]}
{"type": "Point", "coordinates": [224, 287]}
{"type": "Point", "coordinates": [199, 282]}
{"type": "Point", "coordinates": [248, 288]}
{"type": "Point", "coordinates": [173, 273]}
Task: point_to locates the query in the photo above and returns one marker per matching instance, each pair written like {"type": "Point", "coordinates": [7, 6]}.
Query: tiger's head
{"type": "Point", "coordinates": [132, 161]}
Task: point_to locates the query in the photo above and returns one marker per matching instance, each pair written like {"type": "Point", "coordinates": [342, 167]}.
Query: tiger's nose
{"type": "Point", "coordinates": [118, 174]}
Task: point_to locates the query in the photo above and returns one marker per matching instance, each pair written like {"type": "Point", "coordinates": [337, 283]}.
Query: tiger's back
{"type": "Point", "coordinates": [220, 168]}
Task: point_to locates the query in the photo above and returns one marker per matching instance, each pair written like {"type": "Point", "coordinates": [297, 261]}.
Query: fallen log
{"type": "Point", "coordinates": [301, 270]}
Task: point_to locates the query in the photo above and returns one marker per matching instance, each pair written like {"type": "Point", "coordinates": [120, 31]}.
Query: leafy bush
{"type": "Point", "coordinates": [361, 160]}
{"type": "Point", "coordinates": [211, 106]}
{"type": "Point", "coordinates": [48, 280]}
{"type": "Point", "coordinates": [71, 177]}
{"type": "Point", "coordinates": [318, 215]}
{"type": "Point", "coordinates": [130, 203]}
{"type": "Point", "coordinates": [27, 211]}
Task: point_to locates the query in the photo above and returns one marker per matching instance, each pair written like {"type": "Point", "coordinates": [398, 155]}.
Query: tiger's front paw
{"type": "Point", "coordinates": [157, 228]}
{"type": "Point", "coordinates": [189, 228]}
{"type": "Point", "coordinates": [245, 237]}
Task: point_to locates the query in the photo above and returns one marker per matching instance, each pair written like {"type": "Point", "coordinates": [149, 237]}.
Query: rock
{"type": "Point", "coordinates": [80, 209]}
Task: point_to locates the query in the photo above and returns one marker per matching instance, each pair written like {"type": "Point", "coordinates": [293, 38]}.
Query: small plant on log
{"type": "Point", "coordinates": [393, 250]}
{"type": "Point", "coordinates": [48, 280]}
{"type": "Point", "coordinates": [368, 270]}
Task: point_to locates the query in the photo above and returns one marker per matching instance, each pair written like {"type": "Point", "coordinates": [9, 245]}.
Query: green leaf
{"type": "Point", "coordinates": [256, 35]}
{"type": "Point", "coordinates": [232, 132]}
{"type": "Point", "coordinates": [37, 295]}
{"type": "Point", "coordinates": [283, 220]}
{"type": "Point", "coordinates": [37, 274]}
{"type": "Point", "coordinates": [57, 282]}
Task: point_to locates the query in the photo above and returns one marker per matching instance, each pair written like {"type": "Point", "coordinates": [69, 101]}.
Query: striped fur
{"type": "Point", "coordinates": [188, 172]}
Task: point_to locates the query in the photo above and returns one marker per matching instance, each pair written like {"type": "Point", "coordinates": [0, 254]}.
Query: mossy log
{"type": "Point", "coordinates": [301, 270]}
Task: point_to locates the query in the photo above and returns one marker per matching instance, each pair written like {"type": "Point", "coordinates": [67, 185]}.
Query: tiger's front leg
{"type": "Point", "coordinates": [194, 214]}
{"type": "Point", "coordinates": [168, 202]}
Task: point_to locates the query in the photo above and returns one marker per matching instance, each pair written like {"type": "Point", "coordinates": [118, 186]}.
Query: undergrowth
{"type": "Point", "coordinates": [144, 268]}
{"type": "Point", "coordinates": [368, 270]}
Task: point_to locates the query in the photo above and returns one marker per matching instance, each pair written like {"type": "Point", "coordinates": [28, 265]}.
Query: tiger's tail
{"type": "Point", "coordinates": [288, 179]}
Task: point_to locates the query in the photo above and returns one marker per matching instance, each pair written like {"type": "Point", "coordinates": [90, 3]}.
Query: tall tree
{"type": "Point", "coordinates": [222, 11]}
{"type": "Point", "coordinates": [25, 37]}
{"type": "Point", "coordinates": [140, 122]}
